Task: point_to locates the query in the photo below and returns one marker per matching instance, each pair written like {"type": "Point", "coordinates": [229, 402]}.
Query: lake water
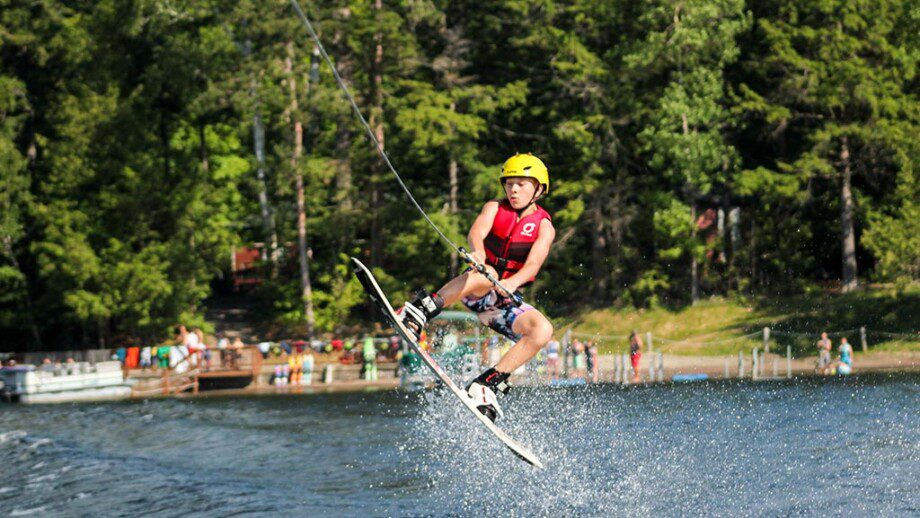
{"type": "Point", "coordinates": [807, 446]}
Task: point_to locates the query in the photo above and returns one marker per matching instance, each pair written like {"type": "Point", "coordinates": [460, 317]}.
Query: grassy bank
{"type": "Point", "coordinates": [723, 326]}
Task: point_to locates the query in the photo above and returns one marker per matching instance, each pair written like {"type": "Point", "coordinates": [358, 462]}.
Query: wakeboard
{"type": "Point", "coordinates": [376, 294]}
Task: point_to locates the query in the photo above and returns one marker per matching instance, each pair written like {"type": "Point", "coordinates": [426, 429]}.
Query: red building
{"type": "Point", "coordinates": [246, 266]}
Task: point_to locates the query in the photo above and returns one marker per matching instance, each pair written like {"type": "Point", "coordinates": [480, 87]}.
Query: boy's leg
{"type": "Point", "coordinates": [467, 284]}
{"type": "Point", "coordinates": [424, 306]}
{"type": "Point", "coordinates": [532, 331]}
{"type": "Point", "coordinates": [535, 331]}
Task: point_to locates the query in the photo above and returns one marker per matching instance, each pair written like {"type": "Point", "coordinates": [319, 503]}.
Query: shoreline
{"type": "Point", "coordinates": [713, 367]}
{"type": "Point", "coordinates": [612, 369]}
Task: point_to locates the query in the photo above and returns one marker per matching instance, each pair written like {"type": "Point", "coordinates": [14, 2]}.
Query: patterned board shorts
{"type": "Point", "coordinates": [496, 313]}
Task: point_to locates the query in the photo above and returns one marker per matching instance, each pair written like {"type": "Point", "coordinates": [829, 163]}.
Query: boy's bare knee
{"type": "Point", "coordinates": [546, 330]}
{"type": "Point", "coordinates": [541, 331]}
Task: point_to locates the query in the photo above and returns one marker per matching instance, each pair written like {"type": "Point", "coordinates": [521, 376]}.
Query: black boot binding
{"type": "Point", "coordinates": [496, 382]}
{"type": "Point", "coordinates": [417, 312]}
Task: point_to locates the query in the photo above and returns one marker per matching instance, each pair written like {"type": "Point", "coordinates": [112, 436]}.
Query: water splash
{"type": "Point", "coordinates": [715, 448]}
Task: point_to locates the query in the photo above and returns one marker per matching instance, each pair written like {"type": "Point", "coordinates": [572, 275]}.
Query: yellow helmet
{"type": "Point", "coordinates": [527, 166]}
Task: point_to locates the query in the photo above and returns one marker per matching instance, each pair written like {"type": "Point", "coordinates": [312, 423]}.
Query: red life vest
{"type": "Point", "coordinates": [509, 241]}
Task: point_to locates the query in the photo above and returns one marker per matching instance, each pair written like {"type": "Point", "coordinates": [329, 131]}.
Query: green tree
{"type": "Point", "coordinates": [830, 87]}
{"type": "Point", "coordinates": [684, 49]}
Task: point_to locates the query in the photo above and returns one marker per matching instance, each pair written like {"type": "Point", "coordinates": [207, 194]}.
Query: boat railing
{"type": "Point", "coordinates": [29, 379]}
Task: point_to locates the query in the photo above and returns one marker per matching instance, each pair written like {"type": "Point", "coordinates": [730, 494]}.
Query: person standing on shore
{"type": "Point", "coordinates": [846, 357]}
{"type": "Point", "coordinates": [191, 344]}
{"type": "Point", "coordinates": [552, 359]}
{"type": "Point", "coordinates": [594, 362]}
{"type": "Point", "coordinates": [635, 353]}
{"type": "Point", "coordinates": [579, 360]}
{"type": "Point", "coordinates": [824, 353]}
{"type": "Point", "coordinates": [589, 361]}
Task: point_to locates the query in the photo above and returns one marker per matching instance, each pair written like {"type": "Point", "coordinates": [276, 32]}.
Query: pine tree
{"type": "Point", "coordinates": [685, 49]}
{"type": "Point", "coordinates": [830, 84]}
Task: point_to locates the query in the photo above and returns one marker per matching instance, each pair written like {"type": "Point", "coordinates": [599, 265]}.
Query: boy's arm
{"type": "Point", "coordinates": [480, 230]}
{"type": "Point", "coordinates": [535, 258]}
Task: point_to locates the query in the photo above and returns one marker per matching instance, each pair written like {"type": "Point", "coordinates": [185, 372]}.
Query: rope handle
{"type": "Point", "coordinates": [516, 298]}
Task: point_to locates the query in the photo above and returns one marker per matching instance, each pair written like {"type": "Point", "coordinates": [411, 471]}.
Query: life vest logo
{"type": "Point", "coordinates": [528, 229]}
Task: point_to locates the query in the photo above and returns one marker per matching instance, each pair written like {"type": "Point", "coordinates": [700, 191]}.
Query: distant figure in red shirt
{"type": "Point", "coordinates": [635, 353]}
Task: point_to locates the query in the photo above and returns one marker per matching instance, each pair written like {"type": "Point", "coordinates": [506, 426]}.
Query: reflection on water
{"type": "Point", "coordinates": [806, 446]}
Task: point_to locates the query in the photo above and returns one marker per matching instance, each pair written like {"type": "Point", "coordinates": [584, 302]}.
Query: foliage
{"type": "Point", "coordinates": [128, 169]}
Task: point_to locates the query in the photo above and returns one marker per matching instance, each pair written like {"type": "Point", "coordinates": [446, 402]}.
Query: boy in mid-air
{"type": "Point", "coordinates": [512, 237]}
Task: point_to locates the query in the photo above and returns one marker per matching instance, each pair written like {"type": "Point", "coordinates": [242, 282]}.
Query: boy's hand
{"type": "Point", "coordinates": [479, 256]}
{"type": "Point", "coordinates": [505, 301]}
{"type": "Point", "coordinates": [509, 283]}
{"type": "Point", "coordinates": [503, 298]}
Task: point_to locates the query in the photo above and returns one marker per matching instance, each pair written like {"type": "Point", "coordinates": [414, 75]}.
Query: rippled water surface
{"type": "Point", "coordinates": [771, 448]}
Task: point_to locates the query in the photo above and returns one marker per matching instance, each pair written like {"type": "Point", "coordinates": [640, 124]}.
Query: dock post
{"type": "Point", "coordinates": [740, 364]}
{"type": "Point", "coordinates": [660, 366]}
{"type": "Point", "coordinates": [775, 368]}
{"type": "Point", "coordinates": [651, 367]}
{"type": "Point", "coordinates": [754, 364]}
{"type": "Point", "coordinates": [789, 361]}
{"type": "Point", "coordinates": [862, 337]}
{"type": "Point", "coordinates": [566, 344]}
{"type": "Point", "coordinates": [328, 375]}
{"type": "Point", "coordinates": [648, 339]}
{"type": "Point", "coordinates": [766, 340]}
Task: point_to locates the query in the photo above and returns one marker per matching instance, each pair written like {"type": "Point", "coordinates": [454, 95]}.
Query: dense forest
{"type": "Point", "coordinates": [695, 148]}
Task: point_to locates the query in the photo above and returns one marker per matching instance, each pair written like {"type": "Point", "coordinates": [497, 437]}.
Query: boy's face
{"type": "Point", "coordinates": [520, 191]}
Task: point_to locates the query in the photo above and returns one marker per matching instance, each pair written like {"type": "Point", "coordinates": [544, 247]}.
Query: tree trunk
{"type": "Point", "coordinates": [343, 139]}
{"type": "Point", "coordinates": [343, 184]}
{"type": "Point", "coordinates": [734, 225]}
{"type": "Point", "coordinates": [754, 281]}
{"type": "Point", "coordinates": [268, 220]}
{"type": "Point", "coordinates": [452, 171]}
{"type": "Point", "coordinates": [203, 148]}
{"type": "Point", "coordinates": [847, 233]}
{"type": "Point", "coordinates": [306, 286]}
{"type": "Point", "coordinates": [376, 123]}
{"type": "Point", "coordinates": [258, 147]}
{"type": "Point", "coordinates": [694, 266]}
{"type": "Point", "coordinates": [598, 250]}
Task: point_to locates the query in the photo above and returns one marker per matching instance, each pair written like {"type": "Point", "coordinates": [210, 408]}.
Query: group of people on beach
{"type": "Point", "coordinates": [585, 358]}
{"type": "Point", "coordinates": [187, 350]}
{"type": "Point", "coordinates": [844, 362]}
